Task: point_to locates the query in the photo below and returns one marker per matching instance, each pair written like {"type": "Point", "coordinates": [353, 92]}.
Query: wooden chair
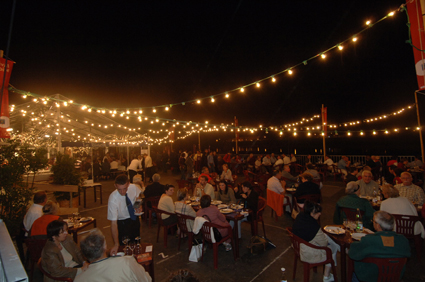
{"type": "Point", "coordinates": [390, 269]}
{"type": "Point", "coordinates": [405, 225]}
{"type": "Point", "coordinates": [160, 223]}
{"type": "Point", "coordinates": [147, 208]}
{"type": "Point", "coordinates": [206, 237]}
{"type": "Point", "coordinates": [260, 209]}
{"type": "Point", "coordinates": [296, 242]}
{"type": "Point", "coordinates": [337, 172]}
{"type": "Point", "coordinates": [350, 214]}
{"type": "Point", "coordinates": [45, 273]}
{"type": "Point", "coordinates": [182, 222]}
{"type": "Point", "coordinates": [35, 245]}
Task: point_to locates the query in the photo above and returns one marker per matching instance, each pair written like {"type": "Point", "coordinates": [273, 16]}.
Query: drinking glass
{"type": "Point", "coordinates": [138, 248]}
{"type": "Point", "coordinates": [125, 241]}
{"type": "Point", "coordinates": [132, 245]}
{"type": "Point", "coordinates": [345, 223]}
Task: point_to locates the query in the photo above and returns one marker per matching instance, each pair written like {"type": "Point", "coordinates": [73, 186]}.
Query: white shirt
{"type": "Point", "coordinates": [33, 213]}
{"type": "Point", "coordinates": [148, 162]}
{"type": "Point", "coordinates": [329, 162]}
{"type": "Point", "coordinates": [267, 161]}
{"type": "Point", "coordinates": [226, 175]}
{"type": "Point", "coordinates": [286, 160]}
{"type": "Point", "coordinates": [114, 165]}
{"type": "Point", "coordinates": [278, 162]}
{"type": "Point", "coordinates": [134, 165]}
{"type": "Point", "coordinates": [208, 189]}
{"type": "Point", "coordinates": [274, 185]}
{"type": "Point", "coordinates": [117, 206]}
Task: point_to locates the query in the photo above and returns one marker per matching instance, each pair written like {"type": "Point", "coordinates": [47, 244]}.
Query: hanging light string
{"type": "Point", "coordinates": [226, 94]}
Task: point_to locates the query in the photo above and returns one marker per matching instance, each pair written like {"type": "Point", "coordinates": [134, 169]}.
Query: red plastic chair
{"type": "Point", "coordinates": [260, 209]}
{"type": "Point", "coordinates": [296, 241]}
{"type": "Point", "coordinates": [405, 225]}
{"type": "Point", "coordinates": [337, 172]}
{"type": "Point", "coordinates": [50, 276]}
{"type": "Point", "coordinates": [148, 210]}
{"type": "Point", "coordinates": [160, 223]}
{"type": "Point", "coordinates": [350, 214]}
{"type": "Point", "coordinates": [389, 268]}
{"type": "Point", "coordinates": [35, 247]}
{"type": "Point", "coordinates": [206, 235]}
{"type": "Point", "coordinates": [182, 222]}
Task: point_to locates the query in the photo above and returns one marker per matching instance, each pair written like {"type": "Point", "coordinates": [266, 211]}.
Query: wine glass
{"type": "Point", "coordinates": [345, 223]}
{"type": "Point", "coordinates": [138, 248]}
{"type": "Point", "coordinates": [125, 241]}
{"type": "Point", "coordinates": [132, 245]}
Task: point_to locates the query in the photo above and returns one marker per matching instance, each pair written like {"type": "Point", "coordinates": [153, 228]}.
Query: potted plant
{"type": "Point", "coordinates": [65, 173]}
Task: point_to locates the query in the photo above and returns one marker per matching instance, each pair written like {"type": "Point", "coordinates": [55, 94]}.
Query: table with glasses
{"type": "Point", "coordinates": [75, 225]}
{"type": "Point", "coordinates": [147, 263]}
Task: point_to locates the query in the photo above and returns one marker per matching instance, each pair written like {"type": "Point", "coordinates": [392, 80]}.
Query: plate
{"type": "Point", "coordinates": [226, 210]}
{"type": "Point", "coordinates": [70, 224]}
{"type": "Point", "coordinates": [334, 230]}
{"type": "Point", "coordinates": [195, 204]}
{"type": "Point", "coordinates": [120, 254]}
{"type": "Point", "coordinates": [137, 214]}
{"type": "Point", "coordinates": [237, 207]}
{"type": "Point", "coordinates": [188, 201]}
{"type": "Point", "coordinates": [291, 189]}
{"type": "Point", "coordinates": [358, 236]}
{"type": "Point", "coordinates": [222, 206]}
{"type": "Point", "coordinates": [216, 202]}
{"type": "Point", "coordinates": [85, 219]}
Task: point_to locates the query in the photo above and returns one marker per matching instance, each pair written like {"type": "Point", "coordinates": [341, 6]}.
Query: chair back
{"type": "Point", "coordinates": [50, 276]}
{"type": "Point", "coordinates": [405, 224]}
{"type": "Point", "coordinates": [335, 169]}
{"type": "Point", "coordinates": [260, 207]}
{"type": "Point", "coordinates": [350, 214]}
{"type": "Point", "coordinates": [159, 212]}
{"type": "Point", "coordinates": [389, 268]}
{"type": "Point", "coordinates": [151, 202]}
{"type": "Point", "coordinates": [182, 222]}
{"type": "Point", "coordinates": [295, 240]}
{"type": "Point", "coordinates": [206, 232]}
{"type": "Point", "coordinates": [35, 245]}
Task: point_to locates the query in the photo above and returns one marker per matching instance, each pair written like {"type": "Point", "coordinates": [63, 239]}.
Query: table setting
{"type": "Point", "coordinates": [76, 223]}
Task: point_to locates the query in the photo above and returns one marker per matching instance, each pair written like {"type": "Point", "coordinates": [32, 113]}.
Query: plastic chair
{"type": "Point", "coordinates": [277, 203]}
{"type": "Point", "coordinates": [405, 225]}
{"type": "Point", "coordinates": [35, 245]}
{"type": "Point", "coordinates": [148, 210]}
{"type": "Point", "coordinates": [206, 237]}
{"type": "Point", "coordinates": [337, 172]}
{"type": "Point", "coordinates": [389, 268]}
{"type": "Point", "coordinates": [182, 222]}
{"type": "Point", "coordinates": [160, 223]}
{"type": "Point", "coordinates": [296, 241]}
{"type": "Point", "coordinates": [50, 276]}
{"type": "Point", "coordinates": [350, 214]}
{"type": "Point", "coordinates": [260, 209]}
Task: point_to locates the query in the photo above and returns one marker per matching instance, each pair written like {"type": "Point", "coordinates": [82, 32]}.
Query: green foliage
{"type": "Point", "coordinates": [17, 159]}
{"type": "Point", "coordinates": [64, 173]}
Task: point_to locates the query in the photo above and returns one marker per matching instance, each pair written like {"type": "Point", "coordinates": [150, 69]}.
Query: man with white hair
{"type": "Point", "coordinates": [384, 243]}
{"type": "Point", "coordinates": [367, 185]}
{"type": "Point", "coordinates": [409, 190]}
{"type": "Point", "coordinates": [105, 268]}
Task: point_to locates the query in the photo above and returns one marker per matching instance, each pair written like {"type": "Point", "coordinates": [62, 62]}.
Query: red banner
{"type": "Point", "coordinates": [236, 130]}
{"type": "Point", "coordinates": [4, 112]}
{"type": "Point", "coordinates": [325, 119]}
{"type": "Point", "coordinates": [418, 39]}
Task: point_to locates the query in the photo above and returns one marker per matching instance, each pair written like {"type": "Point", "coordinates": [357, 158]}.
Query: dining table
{"type": "Point", "coordinates": [234, 216]}
{"type": "Point", "coordinates": [81, 224]}
{"type": "Point", "coordinates": [343, 240]}
{"type": "Point", "coordinates": [147, 261]}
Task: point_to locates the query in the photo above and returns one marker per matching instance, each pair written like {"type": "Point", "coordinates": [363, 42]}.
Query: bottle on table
{"type": "Point", "coordinates": [283, 275]}
{"type": "Point", "coordinates": [359, 221]}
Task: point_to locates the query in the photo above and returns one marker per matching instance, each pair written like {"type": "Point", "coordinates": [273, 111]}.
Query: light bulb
{"type": "Point", "coordinates": [340, 47]}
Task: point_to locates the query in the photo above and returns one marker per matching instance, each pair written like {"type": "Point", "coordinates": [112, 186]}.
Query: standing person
{"type": "Point", "coordinates": [182, 167]}
{"type": "Point", "coordinates": [166, 204]}
{"type": "Point", "coordinates": [189, 165]}
{"type": "Point", "coordinates": [210, 161]}
{"type": "Point", "coordinates": [97, 168]}
{"type": "Point", "coordinates": [35, 211]}
{"type": "Point", "coordinates": [106, 167]}
{"type": "Point", "coordinates": [134, 166]}
{"type": "Point", "coordinates": [103, 268]}
{"type": "Point", "coordinates": [121, 213]}
{"type": "Point", "coordinates": [204, 158]}
{"type": "Point", "coordinates": [123, 161]}
{"type": "Point", "coordinates": [148, 167]}
{"type": "Point", "coordinates": [114, 165]}
{"type": "Point", "coordinates": [215, 161]}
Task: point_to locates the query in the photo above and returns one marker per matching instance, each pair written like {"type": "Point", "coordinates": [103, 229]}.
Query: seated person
{"type": "Point", "coordinates": [343, 164]}
{"type": "Point", "coordinates": [226, 174]}
{"type": "Point", "coordinates": [250, 199]}
{"type": "Point", "coordinates": [154, 189]}
{"type": "Point", "coordinates": [383, 243]}
{"type": "Point", "coordinates": [35, 211]}
{"type": "Point", "coordinates": [290, 180]}
{"type": "Point", "coordinates": [368, 187]}
{"type": "Point", "coordinates": [104, 268]}
{"type": "Point", "coordinates": [397, 176]}
{"type": "Point", "coordinates": [407, 189]}
{"type": "Point", "coordinates": [213, 215]}
{"type": "Point", "coordinates": [329, 162]}
{"type": "Point", "coordinates": [394, 204]}
{"type": "Point", "coordinates": [204, 188]}
{"type": "Point", "coordinates": [225, 194]}
{"type": "Point", "coordinates": [182, 208]}
{"type": "Point", "coordinates": [353, 201]}
{"type": "Point", "coordinates": [293, 158]}
{"type": "Point", "coordinates": [258, 164]}
{"type": "Point", "coordinates": [307, 228]}
{"type": "Point", "coordinates": [275, 183]}
{"type": "Point", "coordinates": [313, 172]}
{"type": "Point", "coordinates": [279, 161]}
{"type": "Point", "coordinates": [50, 211]}
{"type": "Point", "coordinates": [307, 187]}
{"type": "Point", "coordinates": [166, 204]}
{"type": "Point", "coordinates": [206, 172]}
{"type": "Point", "coordinates": [352, 175]}
{"type": "Point", "coordinates": [61, 257]}
{"type": "Point", "coordinates": [114, 165]}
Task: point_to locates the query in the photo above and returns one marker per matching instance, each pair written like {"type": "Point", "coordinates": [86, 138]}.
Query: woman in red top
{"type": "Point", "coordinates": [50, 211]}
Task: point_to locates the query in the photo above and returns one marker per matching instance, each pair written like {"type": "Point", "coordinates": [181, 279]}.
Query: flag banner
{"type": "Point", "coordinates": [325, 120]}
{"type": "Point", "coordinates": [418, 39]}
{"type": "Point", "coordinates": [4, 111]}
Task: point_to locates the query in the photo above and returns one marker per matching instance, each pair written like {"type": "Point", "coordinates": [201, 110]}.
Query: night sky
{"type": "Point", "coordinates": [145, 53]}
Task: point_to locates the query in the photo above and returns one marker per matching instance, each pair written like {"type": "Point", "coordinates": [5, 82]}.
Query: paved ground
{"type": "Point", "coordinates": [263, 267]}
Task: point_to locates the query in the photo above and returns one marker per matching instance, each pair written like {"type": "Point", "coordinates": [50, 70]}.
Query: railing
{"type": "Point", "coordinates": [11, 269]}
{"type": "Point", "coordinates": [361, 159]}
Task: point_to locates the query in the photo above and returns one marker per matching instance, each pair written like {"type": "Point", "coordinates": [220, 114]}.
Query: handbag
{"type": "Point", "coordinates": [196, 251]}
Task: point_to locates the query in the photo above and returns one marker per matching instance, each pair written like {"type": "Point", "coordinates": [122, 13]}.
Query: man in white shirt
{"type": "Point", "coordinates": [104, 268]}
{"type": "Point", "coordinates": [134, 166]}
{"type": "Point", "coordinates": [114, 164]}
{"type": "Point", "coordinates": [121, 213]}
{"type": "Point", "coordinates": [329, 162]}
{"type": "Point", "coordinates": [148, 167]}
{"type": "Point", "coordinates": [286, 159]}
{"type": "Point", "coordinates": [275, 184]}
{"type": "Point", "coordinates": [204, 188]}
{"type": "Point", "coordinates": [279, 161]}
{"type": "Point", "coordinates": [407, 189]}
{"type": "Point", "coordinates": [35, 211]}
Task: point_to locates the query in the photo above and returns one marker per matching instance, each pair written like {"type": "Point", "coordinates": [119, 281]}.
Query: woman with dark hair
{"type": "Point", "coordinates": [212, 214]}
{"type": "Point", "coordinates": [225, 194]}
{"type": "Point", "coordinates": [60, 256]}
{"type": "Point", "coordinates": [307, 228]}
{"type": "Point", "coordinates": [250, 198]}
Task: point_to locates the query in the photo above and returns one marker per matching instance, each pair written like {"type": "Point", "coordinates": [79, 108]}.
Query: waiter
{"type": "Point", "coordinates": [121, 213]}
